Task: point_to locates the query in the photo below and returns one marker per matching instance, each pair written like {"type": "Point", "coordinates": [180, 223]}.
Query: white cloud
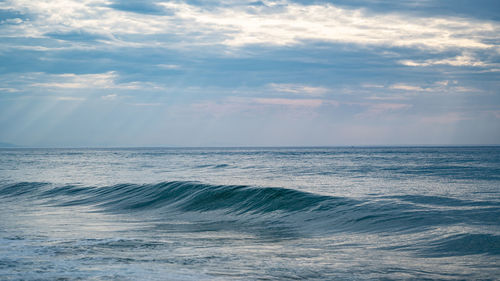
{"type": "Point", "coordinates": [299, 89]}
{"type": "Point", "coordinates": [105, 80]}
{"type": "Point", "coordinates": [294, 23]}
{"type": "Point", "coordinates": [168, 66]}
{"type": "Point", "coordinates": [289, 102]}
{"type": "Point", "coordinates": [12, 21]}
{"type": "Point", "coordinates": [89, 15]}
{"type": "Point", "coordinates": [109, 97]}
{"type": "Point", "coordinates": [405, 87]}
{"type": "Point", "coordinates": [8, 90]}
{"type": "Point", "coordinates": [463, 60]}
{"type": "Point", "coordinates": [62, 98]}
{"type": "Point", "coordinates": [276, 23]}
{"type": "Point", "coordinates": [444, 86]}
{"type": "Point", "coordinates": [77, 81]}
{"type": "Point", "coordinates": [368, 85]}
{"type": "Point", "coordinates": [391, 97]}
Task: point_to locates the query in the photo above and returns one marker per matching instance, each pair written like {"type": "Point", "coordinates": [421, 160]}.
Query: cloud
{"type": "Point", "coordinates": [417, 91]}
{"type": "Point", "coordinates": [289, 102]}
{"type": "Point", "coordinates": [377, 109]}
{"type": "Point", "coordinates": [70, 98]}
{"type": "Point", "coordinates": [76, 35]}
{"type": "Point", "coordinates": [444, 86]}
{"type": "Point", "coordinates": [235, 28]}
{"type": "Point", "coordinates": [169, 66]}
{"type": "Point", "coordinates": [147, 104]}
{"type": "Point", "coordinates": [77, 19]}
{"type": "Point", "coordinates": [273, 23]}
{"type": "Point", "coordinates": [405, 87]}
{"type": "Point", "coordinates": [106, 86]}
{"type": "Point", "coordinates": [462, 60]}
{"type": "Point", "coordinates": [84, 81]}
{"type": "Point", "coordinates": [392, 97]}
{"type": "Point", "coordinates": [299, 89]}
{"type": "Point", "coordinates": [294, 23]}
{"type": "Point", "coordinates": [368, 85]}
{"type": "Point", "coordinates": [8, 90]}
{"type": "Point", "coordinates": [74, 81]}
{"type": "Point", "coordinates": [109, 97]}
{"type": "Point", "coordinates": [261, 106]}
{"type": "Point", "coordinates": [390, 106]}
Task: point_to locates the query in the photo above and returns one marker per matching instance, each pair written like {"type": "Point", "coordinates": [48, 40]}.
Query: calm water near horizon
{"type": "Point", "coordinates": [339, 213]}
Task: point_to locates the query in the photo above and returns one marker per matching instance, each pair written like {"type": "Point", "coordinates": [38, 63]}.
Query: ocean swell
{"type": "Point", "coordinates": [275, 206]}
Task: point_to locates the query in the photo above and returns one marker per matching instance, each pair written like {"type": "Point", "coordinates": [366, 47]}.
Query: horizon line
{"type": "Point", "coordinates": [14, 146]}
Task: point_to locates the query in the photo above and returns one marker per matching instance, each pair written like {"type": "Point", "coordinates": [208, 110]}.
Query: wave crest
{"type": "Point", "coordinates": [269, 206]}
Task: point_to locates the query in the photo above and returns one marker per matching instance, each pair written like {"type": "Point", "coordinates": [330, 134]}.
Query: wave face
{"type": "Point", "coordinates": [302, 211]}
{"type": "Point", "coordinates": [424, 213]}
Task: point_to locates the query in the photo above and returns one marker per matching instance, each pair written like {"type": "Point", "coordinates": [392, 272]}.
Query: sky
{"type": "Point", "coordinates": [93, 73]}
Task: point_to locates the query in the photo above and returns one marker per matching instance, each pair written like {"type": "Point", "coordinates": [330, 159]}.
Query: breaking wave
{"type": "Point", "coordinates": [235, 206]}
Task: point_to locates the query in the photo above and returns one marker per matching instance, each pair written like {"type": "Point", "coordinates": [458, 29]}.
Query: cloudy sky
{"type": "Point", "coordinates": [249, 73]}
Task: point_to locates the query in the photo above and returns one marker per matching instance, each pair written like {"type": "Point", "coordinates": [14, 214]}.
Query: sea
{"type": "Point", "coordinates": [320, 213]}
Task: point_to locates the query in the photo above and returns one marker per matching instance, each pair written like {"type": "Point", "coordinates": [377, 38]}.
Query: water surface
{"type": "Point", "coordinates": [250, 213]}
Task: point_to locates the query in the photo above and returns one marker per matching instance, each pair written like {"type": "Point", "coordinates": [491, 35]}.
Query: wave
{"type": "Point", "coordinates": [268, 207]}
{"type": "Point", "coordinates": [464, 244]}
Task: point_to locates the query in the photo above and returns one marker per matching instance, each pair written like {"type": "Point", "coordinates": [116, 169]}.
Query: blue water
{"type": "Point", "coordinates": [360, 213]}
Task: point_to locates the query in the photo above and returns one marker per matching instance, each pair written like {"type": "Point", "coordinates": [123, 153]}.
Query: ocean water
{"type": "Point", "coordinates": [360, 213]}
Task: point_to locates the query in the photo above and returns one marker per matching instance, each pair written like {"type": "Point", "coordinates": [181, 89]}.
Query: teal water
{"type": "Point", "coordinates": [359, 213]}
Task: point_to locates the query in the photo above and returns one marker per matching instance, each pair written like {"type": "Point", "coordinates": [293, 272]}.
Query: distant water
{"type": "Point", "coordinates": [358, 213]}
